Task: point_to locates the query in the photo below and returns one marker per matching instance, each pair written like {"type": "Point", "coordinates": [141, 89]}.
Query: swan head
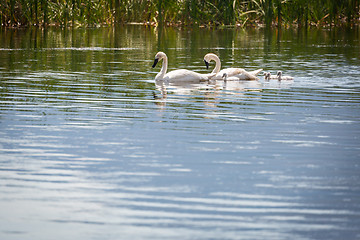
{"type": "Point", "coordinates": [267, 75]}
{"type": "Point", "coordinates": [224, 76]}
{"type": "Point", "coordinates": [208, 58]}
{"type": "Point", "coordinates": [279, 73]}
{"type": "Point", "coordinates": [158, 57]}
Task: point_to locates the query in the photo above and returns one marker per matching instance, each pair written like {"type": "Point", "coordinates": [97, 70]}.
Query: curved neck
{"type": "Point", "coordinates": [163, 70]}
{"type": "Point", "coordinates": [164, 67]}
{"type": "Point", "coordinates": [217, 64]}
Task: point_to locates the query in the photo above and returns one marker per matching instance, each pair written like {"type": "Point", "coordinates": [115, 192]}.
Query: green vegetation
{"type": "Point", "coordinates": [179, 12]}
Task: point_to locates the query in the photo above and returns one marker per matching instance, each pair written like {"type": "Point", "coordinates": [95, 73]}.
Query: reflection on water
{"type": "Point", "coordinates": [91, 147]}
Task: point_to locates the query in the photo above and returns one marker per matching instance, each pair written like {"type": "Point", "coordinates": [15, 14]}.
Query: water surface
{"type": "Point", "coordinates": [92, 148]}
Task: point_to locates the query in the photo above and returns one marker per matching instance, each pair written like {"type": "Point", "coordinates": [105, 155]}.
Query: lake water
{"type": "Point", "coordinates": [92, 148]}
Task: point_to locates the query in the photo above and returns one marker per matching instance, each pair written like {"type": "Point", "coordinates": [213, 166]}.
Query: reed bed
{"type": "Point", "coordinates": [179, 12]}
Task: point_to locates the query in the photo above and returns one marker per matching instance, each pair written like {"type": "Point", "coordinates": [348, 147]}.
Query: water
{"type": "Point", "coordinates": [92, 148]}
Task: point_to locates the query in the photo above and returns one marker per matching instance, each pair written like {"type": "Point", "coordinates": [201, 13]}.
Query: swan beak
{"type": "Point", "coordinates": [207, 64]}
{"type": "Point", "coordinates": [155, 62]}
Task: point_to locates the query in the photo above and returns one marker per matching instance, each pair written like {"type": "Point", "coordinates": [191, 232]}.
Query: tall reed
{"type": "Point", "coordinates": [187, 12]}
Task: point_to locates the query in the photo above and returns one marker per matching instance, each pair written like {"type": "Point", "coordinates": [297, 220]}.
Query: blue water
{"type": "Point", "coordinates": [92, 148]}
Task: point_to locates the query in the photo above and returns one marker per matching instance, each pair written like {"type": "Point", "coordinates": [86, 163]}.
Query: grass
{"type": "Point", "coordinates": [179, 12]}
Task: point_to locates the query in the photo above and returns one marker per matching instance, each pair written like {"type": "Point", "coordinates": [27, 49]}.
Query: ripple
{"type": "Point", "coordinates": [92, 148]}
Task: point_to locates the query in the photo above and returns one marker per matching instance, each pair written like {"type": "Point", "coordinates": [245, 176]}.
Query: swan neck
{"type": "Point", "coordinates": [164, 65]}
{"type": "Point", "coordinates": [217, 64]}
{"type": "Point", "coordinates": [163, 70]}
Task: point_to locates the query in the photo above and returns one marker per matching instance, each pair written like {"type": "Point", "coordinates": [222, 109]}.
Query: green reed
{"type": "Point", "coordinates": [182, 12]}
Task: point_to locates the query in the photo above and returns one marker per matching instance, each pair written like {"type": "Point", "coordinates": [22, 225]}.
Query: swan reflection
{"type": "Point", "coordinates": [241, 86]}
{"type": "Point", "coordinates": [182, 88]}
{"type": "Point", "coordinates": [212, 87]}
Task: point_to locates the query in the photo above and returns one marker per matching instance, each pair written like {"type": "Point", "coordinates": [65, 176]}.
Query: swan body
{"type": "Point", "coordinates": [281, 77]}
{"type": "Point", "coordinates": [177, 75]}
{"type": "Point", "coordinates": [239, 73]}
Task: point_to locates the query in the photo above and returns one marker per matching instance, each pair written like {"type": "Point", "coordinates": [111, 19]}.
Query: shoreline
{"type": "Point", "coordinates": [255, 25]}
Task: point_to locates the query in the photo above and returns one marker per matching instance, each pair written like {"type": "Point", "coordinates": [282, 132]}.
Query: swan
{"type": "Point", "coordinates": [232, 78]}
{"type": "Point", "coordinates": [239, 73]}
{"type": "Point", "coordinates": [177, 75]}
{"type": "Point", "coordinates": [268, 76]}
{"type": "Point", "coordinates": [281, 77]}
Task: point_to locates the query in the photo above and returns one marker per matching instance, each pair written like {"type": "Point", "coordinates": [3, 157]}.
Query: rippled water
{"type": "Point", "coordinates": [92, 148]}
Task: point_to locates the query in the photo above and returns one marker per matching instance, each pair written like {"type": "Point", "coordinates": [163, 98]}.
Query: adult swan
{"type": "Point", "coordinates": [233, 73]}
{"type": "Point", "coordinates": [177, 75]}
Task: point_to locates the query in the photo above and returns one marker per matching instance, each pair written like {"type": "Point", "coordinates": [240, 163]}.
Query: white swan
{"type": "Point", "coordinates": [239, 73]}
{"type": "Point", "coordinates": [177, 75]}
{"type": "Point", "coordinates": [268, 76]}
{"type": "Point", "coordinates": [281, 77]}
{"type": "Point", "coordinates": [226, 78]}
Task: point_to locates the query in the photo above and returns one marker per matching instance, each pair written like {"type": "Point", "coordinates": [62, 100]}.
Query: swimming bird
{"type": "Point", "coordinates": [268, 76]}
{"type": "Point", "coordinates": [239, 73]}
{"type": "Point", "coordinates": [232, 78]}
{"type": "Point", "coordinates": [281, 77]}
{"type": "Point", "coordinates": [177, 75]}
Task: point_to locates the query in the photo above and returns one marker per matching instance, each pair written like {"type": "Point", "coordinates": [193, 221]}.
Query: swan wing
{"type": "Point", "coordinates": [239, 73]}
{"type": "Point", "coordinates": [235, 71]}
{"type": "Point", "coordinates": [246, 76]}
{"type": "Point", "coordinates": [231, 71]}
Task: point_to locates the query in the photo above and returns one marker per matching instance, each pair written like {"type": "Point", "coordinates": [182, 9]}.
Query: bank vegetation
{"type": "Point", "coordinates": [15, 13]}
